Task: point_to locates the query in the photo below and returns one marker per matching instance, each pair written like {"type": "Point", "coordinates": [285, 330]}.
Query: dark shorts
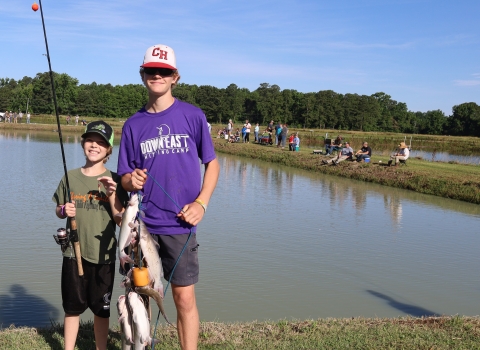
{"type": "Point", "coordinates": [186, 272]}
{"type": "Point", "coordinates": [93, 290]}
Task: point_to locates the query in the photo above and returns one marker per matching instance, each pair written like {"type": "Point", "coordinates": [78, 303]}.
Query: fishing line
{"type": "Point", "coordinates": [181, 253]}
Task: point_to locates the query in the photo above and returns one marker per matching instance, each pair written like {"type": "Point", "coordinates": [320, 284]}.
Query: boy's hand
{"type": "Point", "coordinates": [109, 185]}
{"type": "Point", "coordinates": [70, 210]}
{"type": "Point", "coordinates": [138, 178]}
{"type": "Point", "coordinates": [192, 213]}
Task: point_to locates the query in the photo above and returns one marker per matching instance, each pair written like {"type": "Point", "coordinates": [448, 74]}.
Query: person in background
{"type": "Point", "coordinates": [248, 127]}
{"type": "Point", "coordinates": [335, 145]}
{"type": "Point", "coordinates": [402, 153]}
{"type": "Point", "coordinates": [28, 117]}
{"type": "Point", "coordinates": [296, 142]}
{"type": "Point", "coordinates": [291, 144]}
{"type": "Point", "coordinates": [284, 135]}
{"type": "Point", "coordinates": [256, 131]}
{"type": "Point", "coordinates": [229, 128]}
{"type": "Point", "coordinates": [270, 126]}
{"type": "Point", "coordinates": [15, 116]}
{"type": "Point", "coordinates": [76, 119]}
{"type": "Point", "coordinates": [278, 126]}
{"type": "Point", "coordinates": [364, 152]}
{"type": "Point", "coordinates": [345, 153]}
{"type": "Point", "coordinates": [20, 116]}
{"type": "Point", "coordinates": [278, 135]}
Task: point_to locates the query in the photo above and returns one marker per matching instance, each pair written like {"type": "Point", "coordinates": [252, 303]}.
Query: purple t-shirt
{"type": "Point", "coordinates": [169, 145]}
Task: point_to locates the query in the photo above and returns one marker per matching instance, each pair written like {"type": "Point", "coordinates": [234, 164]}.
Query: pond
{"type": "Point", "coordinates": [276, 243]}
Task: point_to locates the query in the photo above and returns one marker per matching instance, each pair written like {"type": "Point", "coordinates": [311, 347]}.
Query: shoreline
{"type": "Point", "coordinates": [447, 180]}
{"type": "Point", "coordinates": [431, 332]}
{"type": "Point", "coordinates": [453, 181]}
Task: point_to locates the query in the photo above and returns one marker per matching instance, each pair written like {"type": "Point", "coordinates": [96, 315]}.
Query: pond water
{"type": "Point", "coordinates": [276, 243]}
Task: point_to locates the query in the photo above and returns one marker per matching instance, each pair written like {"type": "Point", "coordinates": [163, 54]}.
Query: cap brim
{"type": "Point", "coordinates": [98, 133]}
{"type": "Point", "coordinates": [157, 65]}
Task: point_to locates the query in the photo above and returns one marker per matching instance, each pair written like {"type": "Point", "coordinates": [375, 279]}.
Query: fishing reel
{"type": "Point", "coordinates": [62, 238]}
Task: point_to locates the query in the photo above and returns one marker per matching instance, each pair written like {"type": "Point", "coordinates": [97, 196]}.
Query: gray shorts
{"type": "Point", "coordinates": [187, 269]}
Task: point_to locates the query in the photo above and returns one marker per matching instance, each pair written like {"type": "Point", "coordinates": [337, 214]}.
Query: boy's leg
{"type": "Point", "coordinates": [188, 321]}
{"type": "Point", "coordinates": [73, 299]}
{"type": "Point", "coordinates": [182, 281]}
{"type": "Point", "coordinates": [100, 328]}
{"type": "Point", "coordinates": [71, 324]}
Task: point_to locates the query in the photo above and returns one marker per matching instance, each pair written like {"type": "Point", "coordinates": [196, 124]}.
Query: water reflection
{"type": "Point", "coordinates": [394, 206]}
{"type": "Point", "coordinates": [18, 302]}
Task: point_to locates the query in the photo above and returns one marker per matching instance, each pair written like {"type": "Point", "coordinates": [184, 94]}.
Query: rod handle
{"type": "Point", "coordinates": [76, 246]}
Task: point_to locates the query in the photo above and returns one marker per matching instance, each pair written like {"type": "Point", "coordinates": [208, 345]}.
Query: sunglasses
{"type": "Point", "coordinates": [164, 72]}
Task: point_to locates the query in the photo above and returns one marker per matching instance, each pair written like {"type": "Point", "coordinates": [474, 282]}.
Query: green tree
{"type": "Point", "coordinates": [465, 120]}
{"type": "Point", "coordinates": [431, 122]}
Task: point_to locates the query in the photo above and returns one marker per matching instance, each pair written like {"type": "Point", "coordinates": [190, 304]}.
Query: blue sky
{"type": "Point", "coordinates": [425, 53]}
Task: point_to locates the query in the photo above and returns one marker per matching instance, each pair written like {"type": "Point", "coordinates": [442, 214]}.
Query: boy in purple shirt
{"type": "Point", "coordinates": [166, 139]}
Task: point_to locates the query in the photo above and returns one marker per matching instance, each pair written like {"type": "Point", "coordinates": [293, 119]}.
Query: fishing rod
{"type": "Point", "coordinates": [73, 222]}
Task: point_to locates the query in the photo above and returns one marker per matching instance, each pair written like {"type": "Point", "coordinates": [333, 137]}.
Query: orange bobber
{"type": "Point", "coordinates": [140, 276]}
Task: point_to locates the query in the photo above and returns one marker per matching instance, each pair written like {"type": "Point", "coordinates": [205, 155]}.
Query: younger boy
{"type": "Point", "coordinates": [95, 211]}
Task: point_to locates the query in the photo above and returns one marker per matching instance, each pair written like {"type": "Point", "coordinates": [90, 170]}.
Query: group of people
{"type": "Point", "coordinates": [278, 134]}
{"type": "Point", "coordinates": [14, 117]}
{"type": "Point", "coordinates": [238, 135]}
{"type": "Point", "coordinates": [98, 195]}
{"type": "Point", "coordinates": [345, 152]}
{"type": "Point", "coordinates": [273, 134]}
{"type": "Point", "coordinates": [68, 118]}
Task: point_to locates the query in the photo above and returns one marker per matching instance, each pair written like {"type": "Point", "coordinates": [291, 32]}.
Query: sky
{"type": "Point", "coordinates": [425, 53]}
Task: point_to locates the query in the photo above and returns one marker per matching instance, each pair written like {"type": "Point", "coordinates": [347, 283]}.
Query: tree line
{"type": "Point", "coordinates": [323, 109]}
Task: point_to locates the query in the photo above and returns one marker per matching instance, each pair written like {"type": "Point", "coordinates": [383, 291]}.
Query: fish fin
{"type": "Point", "coordinates": [133, 224]}
{"type": "Point", "coordinates": [124, 258]}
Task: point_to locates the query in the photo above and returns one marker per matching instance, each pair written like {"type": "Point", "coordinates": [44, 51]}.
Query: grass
{"type": "Point", "coordinates": [455, 332]}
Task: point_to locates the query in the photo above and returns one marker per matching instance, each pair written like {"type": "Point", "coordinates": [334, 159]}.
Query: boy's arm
{"type": "Point", "coordinates": [115, 204]}
{"type": "Point", "coordinates": [193, 212]}
{"type": "Point", "coordinates": [135, 180]}
{"type": "Point", "coordinates": [117, 208]}
{"type": "Point", "coordinates": [62, 211]}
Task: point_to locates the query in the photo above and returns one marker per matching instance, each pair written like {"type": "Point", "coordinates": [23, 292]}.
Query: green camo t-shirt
{"type": "Point", "coordinates": [95, 224]}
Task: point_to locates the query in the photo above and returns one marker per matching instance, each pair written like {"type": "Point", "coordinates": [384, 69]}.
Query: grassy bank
{"type": "Point", "coordinates": [455, 181]}
{"type": "Point", "coordinates": [359, 333]}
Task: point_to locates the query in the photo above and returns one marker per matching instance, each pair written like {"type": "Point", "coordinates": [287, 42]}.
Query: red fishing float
{"type": "Point", "coordinates": [34, 6]}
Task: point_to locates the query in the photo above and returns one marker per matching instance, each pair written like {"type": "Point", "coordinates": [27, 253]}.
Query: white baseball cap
{"type": "Point", "coordinates": [159, 56]}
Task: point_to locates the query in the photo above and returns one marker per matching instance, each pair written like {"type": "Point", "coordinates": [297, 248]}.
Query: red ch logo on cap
{"type": "Point", "coordinates": [157, 52]}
